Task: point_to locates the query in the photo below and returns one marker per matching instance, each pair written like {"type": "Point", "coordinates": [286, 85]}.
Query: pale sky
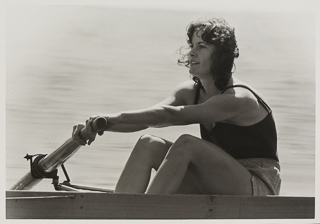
{"type": "Point", "coordinates": [229, 5]}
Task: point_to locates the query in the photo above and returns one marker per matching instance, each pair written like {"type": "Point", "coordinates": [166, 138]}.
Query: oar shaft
{"type": "Point", "coordinates": [26, 182]}
{"type": "Point", "coordinates": [70, 147]}
{"type": "Point", "coordinates": [58, 157]}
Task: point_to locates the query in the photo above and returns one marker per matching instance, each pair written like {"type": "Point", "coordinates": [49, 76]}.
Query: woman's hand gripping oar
{"type": "Point", "coordinates": [82, 133]}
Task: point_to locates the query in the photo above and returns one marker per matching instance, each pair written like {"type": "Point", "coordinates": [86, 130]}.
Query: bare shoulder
{"type": "Point", "coordinates": [186, 91]}
{"type": "Point", "coordinates": [250, 110]}
{"type": "Point", "coordinates": [186, 85]}
{"type": "Point", "coordinates": [183, 94]}
{"type": "Point", "coordinates": [248, 100]}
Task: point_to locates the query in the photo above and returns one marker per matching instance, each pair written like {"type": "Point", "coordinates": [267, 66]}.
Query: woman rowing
{"type": "Point", "coordinates": [237, 151]}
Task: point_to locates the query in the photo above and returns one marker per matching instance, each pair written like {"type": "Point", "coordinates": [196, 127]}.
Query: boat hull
{"type": "Point", "coordinates": [92, 205]}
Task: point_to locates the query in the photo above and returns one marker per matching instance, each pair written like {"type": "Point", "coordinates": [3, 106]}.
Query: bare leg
{"type": "Point", "coordinates": [148, 153]}
{"type": "Point", "coordinates": [214, 171]}
{"type": "Point", "coordinates": [188, 185]}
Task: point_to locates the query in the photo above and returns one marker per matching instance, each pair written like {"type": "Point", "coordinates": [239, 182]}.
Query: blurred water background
{"type": "Point", "coordinates": [66, 63]}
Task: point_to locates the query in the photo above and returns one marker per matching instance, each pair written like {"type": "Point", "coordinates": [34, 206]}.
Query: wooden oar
{"type": "Point", "coordinates": [43, 166]}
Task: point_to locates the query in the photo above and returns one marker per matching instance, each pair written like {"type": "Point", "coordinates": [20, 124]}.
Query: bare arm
{"type": "Point", "coordinates": [218, 108]}
{"type": "Point", "coordinates": [122, 127]}
{"type": "Point", "coordinates": [177, 97]}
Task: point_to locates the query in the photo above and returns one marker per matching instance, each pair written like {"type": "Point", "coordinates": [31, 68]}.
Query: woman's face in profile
{"type": "Point", "coordinates": [200, 56]}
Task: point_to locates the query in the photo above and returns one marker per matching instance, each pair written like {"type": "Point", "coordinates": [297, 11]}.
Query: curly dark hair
{"type": "Point", "coordinates": [217, 32]}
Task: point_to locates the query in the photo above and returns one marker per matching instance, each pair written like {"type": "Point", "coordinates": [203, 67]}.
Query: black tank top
{"type": "Point", "coordinates": [255, 141]}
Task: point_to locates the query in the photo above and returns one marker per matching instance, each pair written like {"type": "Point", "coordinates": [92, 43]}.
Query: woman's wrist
{"type": "Point", "coordinates": [111, 120]}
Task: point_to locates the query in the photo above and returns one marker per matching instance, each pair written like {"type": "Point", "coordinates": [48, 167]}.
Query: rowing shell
{"type": "Point", "coordinates": [98, 205]}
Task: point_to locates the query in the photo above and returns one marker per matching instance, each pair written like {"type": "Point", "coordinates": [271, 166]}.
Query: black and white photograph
{"type": "Point", "coordinates": [160, 110]}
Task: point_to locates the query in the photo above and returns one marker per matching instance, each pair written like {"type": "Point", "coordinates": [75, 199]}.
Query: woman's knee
{"type": "Point", "coordinates": [186, 139]}
{"type": "Point", "coordinates": [151, 148]}
{"type": "Point", "coordinates": [183, 147]}
{"type": "Point", "coordinates": [145, 140]}
{"type": "Point", "coordinates": [148, 142]}
{"type": "Point", "coordinates": [186, 142]}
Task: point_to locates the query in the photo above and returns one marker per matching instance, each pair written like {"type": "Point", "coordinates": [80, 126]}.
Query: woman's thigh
{"type": "Point", "coordinates": [159, 147]}
{"type": "Point", "coordinates": [188, 185]}
{"type": "Point", "coordinates": [214, 170]}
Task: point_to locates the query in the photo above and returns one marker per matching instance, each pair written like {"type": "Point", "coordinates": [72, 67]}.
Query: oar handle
{"type": "Point", "coordinates": [97, 125]}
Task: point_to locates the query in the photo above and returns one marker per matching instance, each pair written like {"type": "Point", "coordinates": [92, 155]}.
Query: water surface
{"type": "Point", "coordinates": [66, 63]}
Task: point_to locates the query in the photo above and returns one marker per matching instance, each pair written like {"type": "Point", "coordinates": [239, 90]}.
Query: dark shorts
{"type": "Point", "coordinates": [265, 173]}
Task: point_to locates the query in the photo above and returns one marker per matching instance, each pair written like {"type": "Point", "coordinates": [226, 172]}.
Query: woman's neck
{"type": "Point", "coordinates": [209, 87]}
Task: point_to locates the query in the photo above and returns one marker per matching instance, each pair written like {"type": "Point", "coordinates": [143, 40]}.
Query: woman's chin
{"type": "Point", "coordinates": [192, 72]}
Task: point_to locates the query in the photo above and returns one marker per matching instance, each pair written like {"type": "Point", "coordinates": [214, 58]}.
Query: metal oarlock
{"type": "Point", "coordinates": [37, 172]}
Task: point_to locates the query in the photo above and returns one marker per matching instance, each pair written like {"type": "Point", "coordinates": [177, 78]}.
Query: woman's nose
{"type": "Point", "coordinates": [192, 53]}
